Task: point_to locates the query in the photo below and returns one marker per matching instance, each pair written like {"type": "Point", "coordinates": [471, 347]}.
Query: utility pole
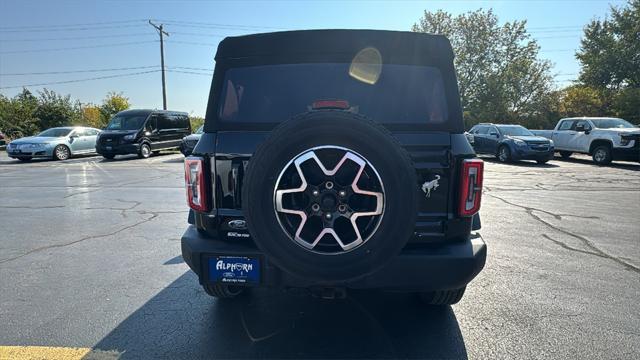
{"type": "Point", "coordinates": [164, 87]}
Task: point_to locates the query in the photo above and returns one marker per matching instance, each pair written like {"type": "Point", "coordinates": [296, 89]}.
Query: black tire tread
{"type": "Point", "coordinates": [220, 291]}
{"type": "Point", "coordinates": [443, 297]}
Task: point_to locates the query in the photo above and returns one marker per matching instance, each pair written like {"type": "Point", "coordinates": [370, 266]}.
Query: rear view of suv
{"type": "Point", "coordinates": [334, 160]}
{"type": "Point", "coordinates": [142, 132]}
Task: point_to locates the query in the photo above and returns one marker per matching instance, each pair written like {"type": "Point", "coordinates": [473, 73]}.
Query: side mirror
{"type": "Point", "coordinates": [580, 128]}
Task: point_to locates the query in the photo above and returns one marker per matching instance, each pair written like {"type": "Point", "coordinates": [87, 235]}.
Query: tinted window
{"type": "Point", "coordinates": [183, 122]}
{"type": "Point", "coordinates": [566, 125]}
{"type": "Point", "coordinates": [152, 123]}
{"type": "Point", "coordinates": [482, 130]}
{"type": "Point", "coordinates": [275, 93]}
{"type": "Point", "coordinates": [515, 131]}
{"type": "Point", "coordinates": [127, 122]}
{"type": "Point", "coordinates": [164, 122]}
{"type": "Point", "coordinates": [55, 132]}
{"type": "Point", "coordinates": [581, 123]}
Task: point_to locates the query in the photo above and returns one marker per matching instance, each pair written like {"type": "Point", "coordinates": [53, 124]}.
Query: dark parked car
{"type": "Point", "coordinates": [3, 141]}
{"type": "Point", "coordinates": [142, 132]}
{"type": "Point", "coordinates": [190, 141]}
{"type": "Point", "coordinates": [510, 143]}
{"type": "Point", "coordinates": [334, 160]}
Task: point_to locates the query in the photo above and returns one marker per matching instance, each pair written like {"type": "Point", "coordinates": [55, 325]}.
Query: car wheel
{"type": "Point", "coordinates": [145, 151]}
{"type": "Point", "coordinates": [442, 297]}
{"type": "Point", "coordinates": [504, 154]}
{"type": "Point", "coordinates": [24, 159]}
{"type": "Point", "coordinates": [61, 152]}
{"type": "Point", "coordinates": [602, 155]}
{"type": "Point", "coordinates": [565, 154]}
{"type": "Point", "coordinates": [223, 291]}
{"type": "Point", "coordinates": [108, 156]}
{"type": "Point", "coordinates": [333, 203]}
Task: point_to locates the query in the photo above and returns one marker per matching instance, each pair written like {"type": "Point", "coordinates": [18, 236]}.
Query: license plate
{"type": "Point", "coordinates": [234, 269]}
{"type": "Point", "coordinates": [108, 147]}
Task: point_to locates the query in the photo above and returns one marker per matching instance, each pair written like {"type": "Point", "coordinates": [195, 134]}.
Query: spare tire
{"type": "Point", "coordinates": [330, 196]}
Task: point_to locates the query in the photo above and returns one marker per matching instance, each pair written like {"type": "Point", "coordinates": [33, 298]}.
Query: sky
{"type": "Point", "coordinates": [111, 40]}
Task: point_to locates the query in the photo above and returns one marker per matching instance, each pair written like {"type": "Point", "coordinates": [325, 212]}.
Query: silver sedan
{"type": "Point", "coordinates": [58, 143]}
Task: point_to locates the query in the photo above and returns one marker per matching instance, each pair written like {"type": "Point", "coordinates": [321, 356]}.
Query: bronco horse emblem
{"type": "Point", "coordinates": [430, 185]}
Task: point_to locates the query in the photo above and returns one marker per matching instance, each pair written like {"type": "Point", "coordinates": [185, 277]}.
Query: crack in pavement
{"type": "Point", "coordinates": [571, 248]}
{"type": "Point", "coordinates": [588, 243]}
{"type": "Point", "coordinates": [79, 240]}
{"type": "Point", "coordinates": [555, 215]}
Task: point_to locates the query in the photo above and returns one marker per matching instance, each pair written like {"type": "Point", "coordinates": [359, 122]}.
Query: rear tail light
{"type": "Point", "coordinates": [195, 183]}
{"type": "Point", "coordinates": [470, 187]}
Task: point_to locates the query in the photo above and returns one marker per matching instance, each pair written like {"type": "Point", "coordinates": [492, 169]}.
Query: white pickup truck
{"type": "Point", "coordinates": [605, 139]}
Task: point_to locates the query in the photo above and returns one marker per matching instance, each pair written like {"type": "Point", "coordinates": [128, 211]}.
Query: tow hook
{"type": "Point", "coordinates": [329, 293]}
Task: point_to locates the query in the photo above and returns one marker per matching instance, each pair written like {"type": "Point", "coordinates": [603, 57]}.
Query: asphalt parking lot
{"type": "Point", "coordinates": [90, 258]}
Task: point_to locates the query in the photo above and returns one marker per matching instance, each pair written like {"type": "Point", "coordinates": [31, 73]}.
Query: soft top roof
{"type": "Point", "coordinates": [402, 47]}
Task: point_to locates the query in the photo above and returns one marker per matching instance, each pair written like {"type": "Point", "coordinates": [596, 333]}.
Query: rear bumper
{"type": "Point", "coordinates": [444, 267]}
{"type": "Point", "coordinates": [121, 149]}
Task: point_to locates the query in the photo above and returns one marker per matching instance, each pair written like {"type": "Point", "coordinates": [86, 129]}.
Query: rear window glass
{"type": "Point", "coordinates": [403, 94]}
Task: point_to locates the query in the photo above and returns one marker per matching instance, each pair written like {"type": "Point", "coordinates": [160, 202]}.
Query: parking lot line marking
{"type": "Point", "coordinates": [54, 353]}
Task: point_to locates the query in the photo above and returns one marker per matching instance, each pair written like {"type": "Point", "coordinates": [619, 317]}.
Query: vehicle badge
{"type": "Point", "coordinates": [428, 186]}
{"type": "Point", "coordinates": [237, 224]}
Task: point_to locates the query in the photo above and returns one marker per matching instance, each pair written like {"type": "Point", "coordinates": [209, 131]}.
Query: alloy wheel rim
{"type": "Point", "coordinates": [145, 151]}
{"type": "Point", "coordinates": [600, 155]}
{"type": "Point", "coordinates": [329, 200]}
{"type": "Point", "coordinates": [503, 154]}
{"type": "Point", "coordinates": [62, 153]}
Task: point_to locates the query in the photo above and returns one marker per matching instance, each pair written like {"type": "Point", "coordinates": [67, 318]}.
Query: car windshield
{"type": "Point", "coordinates": [611, 123]}
{"type": "Point", "coordinates": [55, 132]}
{"type": "Point", "coordinates": [515, 131]}
{"type": "Point", "coordinates": [200, 130]}
{"type": "Point", "coordinates": [127, 122]}
{"type": "Point", "coordinates": [389, 93]}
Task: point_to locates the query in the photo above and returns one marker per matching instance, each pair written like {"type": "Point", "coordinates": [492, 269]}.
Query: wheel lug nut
{"type": "Point", "coordinates": [315, 192]}
{"type": "Point", "coordinates": [342, 193]}
{"type": "Point", "coordinates": [327, 215]}
{"type": "Point", "coordinates": [342, 208]}
{"type": "Point", "coordinates": [315, 207]}
{"type": "Point", "coordinates": [329, 185]}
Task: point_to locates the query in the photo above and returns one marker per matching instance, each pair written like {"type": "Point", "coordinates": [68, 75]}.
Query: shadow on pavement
{"type": "Point", "coordinates": [182, 322]}
{"type": "Point", "coordinates": [615, 164]}
{"type": "Point", "coordinates": [521, 163]}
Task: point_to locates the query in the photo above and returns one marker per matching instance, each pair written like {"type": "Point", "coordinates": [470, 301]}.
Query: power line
{"type": "Point", "coordinates": [216, 25]}
{"type": "Point", "coordinates": [189, 72]}
{"type": "Point", "coordinates": [81, 80]}
{"type": "Point", "coordinates": [73, 29]}
{"type": "Point", "coordinates": [190, 68]}
{"type": "Point", "coordinates": [77, 37]}
{"type": "Point", "coordinates": [78, 47]}
{"type": "Point", "coordinates": [70, 25]}
{"type": "Point", "coordinates": [80, 71]}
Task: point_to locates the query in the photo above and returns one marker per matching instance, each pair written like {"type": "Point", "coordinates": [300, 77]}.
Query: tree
{"type": "Point", "coordinates": [112, 104]}
{"type": "Point", "coordinates": [610, 50]}
{"type": "Point", "coordinates": [17, 117]}
{"type": "Point", "coordinates": [580, 100]}
{"type": "Point", "coordinates": [55, 109]}
{"type": "Point", "coordinates": [196, 122]}
{"type": "Point", "coordinates": [500, 76]}
{"type": "Point", "coordinates": [90, 116]}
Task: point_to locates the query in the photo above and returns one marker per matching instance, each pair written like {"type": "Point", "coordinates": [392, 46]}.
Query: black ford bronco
{"type": "Point", "coordinates": [334, 160]}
